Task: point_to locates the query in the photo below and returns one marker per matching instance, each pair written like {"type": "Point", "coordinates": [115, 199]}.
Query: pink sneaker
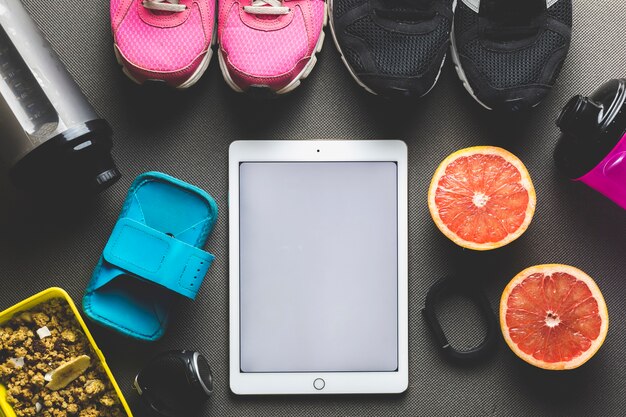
{"type": "Point", "coordinates": [163, 41]}
{"type": "Point", "coordinates": [269, 44]}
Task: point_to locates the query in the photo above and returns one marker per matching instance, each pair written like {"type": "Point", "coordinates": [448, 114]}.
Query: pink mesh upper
{"type": "Point", "coordinates": [261, 47]}
{"type": "Point", "coordinates": [162, 42]}
{"type": "Point", "coordinates": [318, 10]}
{"type": "Point", "coordinates": [264, 53]}
{"type": "Point", "coordinates": [115, 8]}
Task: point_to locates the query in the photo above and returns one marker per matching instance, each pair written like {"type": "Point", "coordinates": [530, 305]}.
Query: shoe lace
{"type": "Point", "coordinates": [163, 5]}
{"type": "Point", "coordinates": [511, 19]}
{"type": "Point", "coordinates": [267, 7]}
{"type": "Point", "coordinates": [405, 10]}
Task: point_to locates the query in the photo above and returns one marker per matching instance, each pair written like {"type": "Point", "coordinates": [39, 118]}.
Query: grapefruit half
{"type": "Point", "coordinates": [482, 198]}
{"type": "Point", "coordinates": [553, 316]}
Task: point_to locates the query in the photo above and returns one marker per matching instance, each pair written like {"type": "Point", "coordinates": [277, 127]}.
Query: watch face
{"type": "Point", "coordinates": [204, 374]}
{"type": "Point", "coordinates": [171, 382]}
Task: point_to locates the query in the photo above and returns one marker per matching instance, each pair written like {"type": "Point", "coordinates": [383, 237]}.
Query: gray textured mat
{"type": "Point", "coordinates": [187, 135]}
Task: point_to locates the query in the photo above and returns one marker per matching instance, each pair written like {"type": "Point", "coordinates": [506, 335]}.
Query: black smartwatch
{"type": "Point", "coordinates": [175, 383]}
{"type": "Point", "coordinates": [462, 287]}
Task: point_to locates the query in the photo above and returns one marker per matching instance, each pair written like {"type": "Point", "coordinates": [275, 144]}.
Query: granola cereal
{"type": "Point", "coordinates": [89, 394]}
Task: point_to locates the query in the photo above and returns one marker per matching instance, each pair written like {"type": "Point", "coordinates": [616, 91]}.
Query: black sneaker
{"type": "Point", "coordinates": [509, 53]}
{"type": "Point", "coordinates": [393, 47]}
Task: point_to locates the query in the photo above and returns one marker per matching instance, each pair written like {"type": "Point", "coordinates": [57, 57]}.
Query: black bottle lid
{"type": "Point", "coordinates": [76, 162]}
{"type": "Point", "coordinates": [591, 127]}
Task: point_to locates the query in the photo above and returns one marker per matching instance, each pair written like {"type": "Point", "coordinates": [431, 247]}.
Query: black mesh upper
{"type": "Point", "coordinates": [511, 65]}
{"type": "Point", "coordinates": [393, 47]}
{"type": "Point", "coordinates": [400, 54]}
{"type": "Point", "coordinates": [562, 11]}
{"type": "Point", "coordinates": [354, 59]}
{"type": "Point", "coordinates": [464, 18]}
{"type": "Point", "coordinates": [342, 6]}
{"type": "Point", "coordinates": [506, 69]}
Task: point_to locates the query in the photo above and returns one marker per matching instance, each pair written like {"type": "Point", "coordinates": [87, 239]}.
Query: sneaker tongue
{"type": "Point", "coordinates": [266, 16]}
{"type": "Point", "coordinates": [512, 11]}
{"type": "Point", "coordinates": [164, 12]}
{"type": "Point", "coordinates": [409, 4]}
{"type": "Point", "coordinates": [405, 10]}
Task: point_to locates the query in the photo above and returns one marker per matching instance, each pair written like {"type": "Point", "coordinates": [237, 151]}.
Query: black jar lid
{"type": "Point", "coordinates": [75, 163]}
{"type": "Point", "coordinates": [591, 127]}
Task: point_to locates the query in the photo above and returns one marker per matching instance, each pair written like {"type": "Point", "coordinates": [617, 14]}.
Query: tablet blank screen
{"type": "Point", "coordinates": [318, 266]}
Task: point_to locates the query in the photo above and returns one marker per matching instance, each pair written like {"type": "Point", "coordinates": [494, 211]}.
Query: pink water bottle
{"type": "Point", "coordinates": [592, 147]}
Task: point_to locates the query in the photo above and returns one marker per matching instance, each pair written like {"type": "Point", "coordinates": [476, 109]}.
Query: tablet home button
{"type": "Point", "coordinates": [319, 384]}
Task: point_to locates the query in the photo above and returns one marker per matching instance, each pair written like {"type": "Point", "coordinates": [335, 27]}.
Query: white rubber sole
{"type": "Point", "coordinates": [306, 71]}
{"type": "Point", "coordinates": [195, 77]}
{"type": "Point", "coordinates": [351, 71]}
{"type": "Point", "coordinates": [460, 72]}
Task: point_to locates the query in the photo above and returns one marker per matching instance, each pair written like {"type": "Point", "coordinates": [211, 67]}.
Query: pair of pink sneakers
{"type": "Point", "coordinates": [266, 44]}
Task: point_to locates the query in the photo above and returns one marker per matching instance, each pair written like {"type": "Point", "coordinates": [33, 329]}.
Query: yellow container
{"type": "Point", "coordinates": [30, 303]}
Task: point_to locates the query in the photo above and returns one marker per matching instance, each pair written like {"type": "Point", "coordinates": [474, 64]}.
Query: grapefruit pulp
{"type": "Point", "coordinates": [553, 316]}
{"type": "Point", "coordinates": [482, 198]}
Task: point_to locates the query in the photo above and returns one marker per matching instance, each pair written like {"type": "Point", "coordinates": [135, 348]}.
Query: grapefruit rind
{"type": "Point", "coordinates": [595, 291]}
{"type": "Point", "coordinates": [526, 182]}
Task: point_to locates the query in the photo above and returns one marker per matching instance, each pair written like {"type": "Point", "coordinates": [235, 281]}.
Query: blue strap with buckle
{"type": "Point", "coordinates": [157, 257]}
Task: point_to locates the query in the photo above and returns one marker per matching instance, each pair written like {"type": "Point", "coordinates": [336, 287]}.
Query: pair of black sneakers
{"type": "Point", "coordinates": [507, 53]}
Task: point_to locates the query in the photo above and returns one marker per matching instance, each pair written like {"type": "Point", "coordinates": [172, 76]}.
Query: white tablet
{"type": "Point", "coordinates": [318, 267]}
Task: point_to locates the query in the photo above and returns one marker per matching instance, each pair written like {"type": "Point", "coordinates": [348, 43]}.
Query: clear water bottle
{"type": "Point", "coordinates": [52, 140]}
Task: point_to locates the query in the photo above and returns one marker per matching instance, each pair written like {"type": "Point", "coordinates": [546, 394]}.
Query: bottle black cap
{"type": "Point", "coordinates": [581, 114]}
{"type": "Point", "coordinates": [76, 162]}
{"type": "Point", "coordinates": [591, 127]}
